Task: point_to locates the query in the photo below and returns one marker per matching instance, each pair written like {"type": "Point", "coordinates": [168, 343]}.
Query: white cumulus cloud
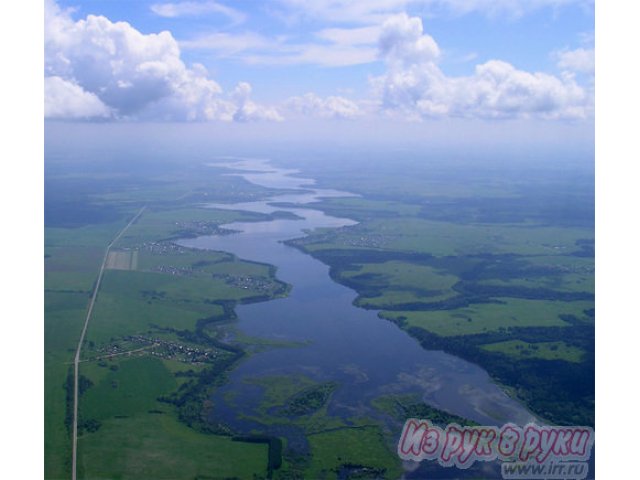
{"type": "Point", "coordinates": [403, 42]}
{"type": "Point", "coordinates": [133, 75]}
{"type": "Point", "coordinates": [415, 86]}
{"type": "Point", "coordinates": [247, 110]}
{"type": "Point", "coordinates": [64, 99]}
{"type": "Point", "coordinates": [580, 60]}
{"type": "Point", "coordinates": [330, 107]}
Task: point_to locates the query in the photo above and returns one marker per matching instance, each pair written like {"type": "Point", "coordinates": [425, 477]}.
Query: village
{"type": "Point", "coordinates": [200, 227]}
{"type": "Point", "coordinates": [158, 347]}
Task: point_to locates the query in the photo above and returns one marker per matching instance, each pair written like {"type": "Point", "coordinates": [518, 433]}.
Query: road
{"type": "Point", "coordinates": [76, 360]}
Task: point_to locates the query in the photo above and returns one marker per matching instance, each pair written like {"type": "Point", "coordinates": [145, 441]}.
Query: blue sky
{"type": "Point", "coordinates": [525, 39]}
{"type": "Point", "coordinates": [291, 61]}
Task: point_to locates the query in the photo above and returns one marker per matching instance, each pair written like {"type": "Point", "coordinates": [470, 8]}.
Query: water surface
{"type": "Point", "coordinates": [367, 355]}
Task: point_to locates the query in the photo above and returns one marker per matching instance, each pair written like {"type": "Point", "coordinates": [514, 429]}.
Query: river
{"type": "Point", "coordinates": [367, 355]}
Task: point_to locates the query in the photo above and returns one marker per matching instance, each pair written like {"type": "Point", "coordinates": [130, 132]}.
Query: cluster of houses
{"type": "Point", "coordinates": [162, 348]}
{"type": "Point", "coordinates": [163, 248]}
{"type": "Point", "coordinates": [246, 282]}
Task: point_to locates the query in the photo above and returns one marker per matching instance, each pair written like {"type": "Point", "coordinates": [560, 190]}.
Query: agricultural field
{"type": "Point", "coordinates": [500, 316]}
{"type": "Point", "coordinates": [417, 235]}
{"type": "Point", "coordinates": [71, 265]}
{"type": "Point", "coordinates": [147, 334]}
{"type": "Point", "coordinates": [543, 350]}
{"type": "Point", "coordinates": [363, 448]}
{"type": "Point", "coordinates": [122, 260]}
{"type": "Point", "coordinates": [164, 448]}
{"type": "Point", "coordinates": [397, 282]}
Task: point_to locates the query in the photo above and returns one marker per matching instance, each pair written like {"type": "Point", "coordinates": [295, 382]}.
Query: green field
{"type": "Point", "coordinates": [149, 288]}
{"type": "Point", "coordinates": [133, 302]}
{"type": "Point", "coordinates": [150, 445]}
{"type": "Point", "coordinates": [400, 282]}
{"type": "Point", "coordinates": [71, 266]}
{"type": "Point", "coordinates": [140, 437]}
{"type": "Point", "coordinates": [358, 446]}
{"type": "Point", "coordinates": [173, 289]}
{"type": "Point", "coordinates": [558, 272]}
{"type": "Point", "coordinates": [492, 317]}
{"type": "Point", "coordinates": [411, 234]}
{"type": "Point", "coordinates": [122, 260]}
{"type": "Point", "coordinates": [542, 350]}
{"type": "Point", "coordinates": [129, 390]}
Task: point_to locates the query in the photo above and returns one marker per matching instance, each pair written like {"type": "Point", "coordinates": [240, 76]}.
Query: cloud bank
{"type": "Point", "coordinates": [103, 70]}
{"type": "Point", "coordinates": [97, 68]}
{"type": "Point", "coordinates": [312, 105]}
{"type": "Point", "coordinates": [415, 86]}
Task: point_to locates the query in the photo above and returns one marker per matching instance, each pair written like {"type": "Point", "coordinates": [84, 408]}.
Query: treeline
{"type": "Point", "coordinates": [483, 290]}
{"type": "Point", "coordinates": [192, 397]}
{"type": "Point", "coordinates": [84, 383]}
{"type": "Point", "coordinates": [310, 399]}
{"type": "Point", "coordinates": [200, 336]}
{"type": "Point", "coordinates": [191, 400]}
{"type": "Point", "coordinates": [434, 415]}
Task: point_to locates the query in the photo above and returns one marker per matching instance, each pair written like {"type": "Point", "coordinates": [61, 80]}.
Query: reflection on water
{"type": "Point", "coordinates": [369, 356]}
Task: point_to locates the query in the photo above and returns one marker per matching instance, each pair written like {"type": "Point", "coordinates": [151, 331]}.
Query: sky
{"type": "Point", "coordinates": [453, 66]}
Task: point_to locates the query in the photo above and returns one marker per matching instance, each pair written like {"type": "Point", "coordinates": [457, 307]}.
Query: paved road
{"type": "Point", "coordinates": [76, 360]}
